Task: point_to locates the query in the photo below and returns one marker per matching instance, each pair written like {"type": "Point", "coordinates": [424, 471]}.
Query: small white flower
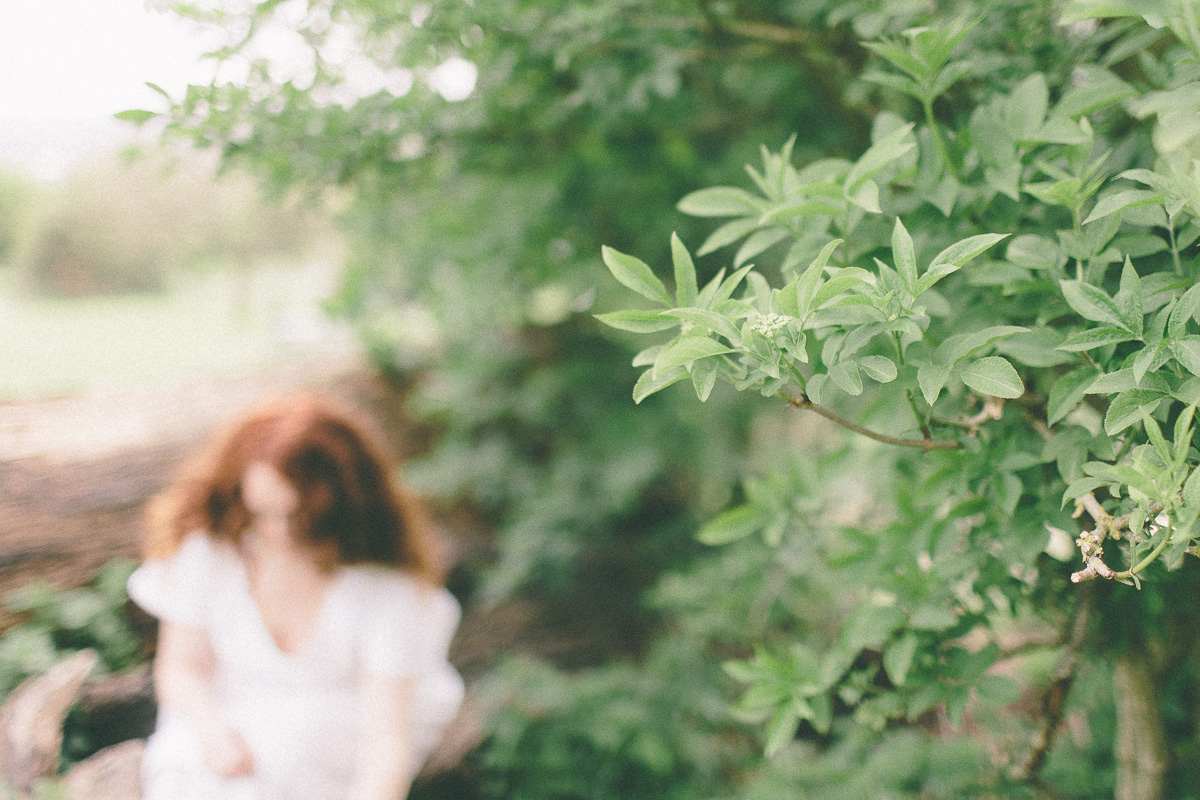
{"type": "Point", "coordinates": [769, 325]}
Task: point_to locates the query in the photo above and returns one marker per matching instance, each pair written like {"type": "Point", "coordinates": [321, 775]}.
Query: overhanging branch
{"type": "Point", "coordinates": [921, 444]}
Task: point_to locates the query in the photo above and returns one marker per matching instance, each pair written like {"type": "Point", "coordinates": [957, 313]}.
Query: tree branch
{"type": "Point", "coordinates": [1091, 543]}
{"type": "Point", "coordinates": [1054, 699]}
{"type": "Point", "coordinates": [923, 444]}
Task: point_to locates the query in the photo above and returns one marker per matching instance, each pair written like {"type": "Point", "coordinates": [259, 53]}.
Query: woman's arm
{"type": "Point", "coordinates": [386, 761]}
{"type": "Point", "coordinates": [183, 670]}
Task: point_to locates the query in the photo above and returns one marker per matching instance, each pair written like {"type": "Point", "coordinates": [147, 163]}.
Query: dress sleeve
{"type": "Point", "coordinates": [178, 588]}
{"type": "Point", "coordinates": [408, 630]}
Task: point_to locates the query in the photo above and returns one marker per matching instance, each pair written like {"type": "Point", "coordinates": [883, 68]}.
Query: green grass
{"type": "Point", "coordinates": [216, 324]}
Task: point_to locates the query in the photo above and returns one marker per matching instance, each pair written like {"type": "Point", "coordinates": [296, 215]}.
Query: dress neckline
{"type": "Point", "coordinates": [315, 628]}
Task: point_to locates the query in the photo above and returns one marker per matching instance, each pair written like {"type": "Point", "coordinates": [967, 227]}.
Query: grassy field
{"type": "Point", "coordinates": [219, 323]}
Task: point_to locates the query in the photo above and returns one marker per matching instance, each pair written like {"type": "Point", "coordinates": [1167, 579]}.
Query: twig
{"type": "Point", "coordinates": [1091, 543]}
{"type": "Point", "coordinates": [993, 409]}
{"type": "Point", "coordinates": [923, 444]}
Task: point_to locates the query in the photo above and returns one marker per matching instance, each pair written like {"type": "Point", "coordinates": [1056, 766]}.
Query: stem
{"type": "Point", "coordinates": [922, 420]}
{"type": "Point", "coordinates": [922, 444]}
{"type": "Point", "coordinates": [936, 130]}
{"type": "Point", "coordinates": [1174, 246]}
{"type": "Point", "coordinates": [1150, 558]}
{"type": "Point", "coordinates": [799, 378]}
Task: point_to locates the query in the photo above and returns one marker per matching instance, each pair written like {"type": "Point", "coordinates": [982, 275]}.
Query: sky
{"type": "Point", "coordinates": [66, 66]}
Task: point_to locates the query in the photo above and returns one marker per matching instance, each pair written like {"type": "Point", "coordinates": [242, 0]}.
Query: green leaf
{"type": "Point", "coordinates": [1034, 252]}
{"type": "Point", "coordinates": [1095, 337]}
{"type": "Point", "coordinates": [866, 197]}
{"type": "Point", "coordinates": [158, 89]}
{"type": "Point", "coordinates": [686, 350]}
{"type": "Point", "coordinates": [709, 320]}
{"type": "Point", "coordinates": [1068, 391]}
{"type": "Point", "coordinates": [729, 286]}
{"type": "Point", "coordinates": [732, 525]}
{"type": "Point", "coordinates": [720, 201]}
{"type": "Point", "coordinates": [1187, 352]}
{"type": "Point", "coordinates": [870, 625]}
{"type": "Point", "coordinates": [878, 156]}
{"type": "Point", "coordinates": [810, 279]}
{"type": "Point", "coordinates": [1191, 489]}
{"type": "Point", "coordinates": [961, 345]}
{"type": "Point", "coordinates": [901, 57]}
{"type": "Point", "coordinates": [898, 658]}
{"type": "Point", "coordinates": [648, 384]}
{"type": "Point", "coordinates": [634, 274]}
{"type": "Point", "coordinates": [960, 253]}
{"type": "Point", "coordinates": [847, 377]}
{"type": "Point", "coordinates": [1186, 309]}
{"type": "Point", "coordinates": [757, 243]}
{"type": "Point", "coordinates": [1154, 433]}
{"type": "Point", "coordinates": [1188, 392]}
{"type": "Point", "coordinates": [727, 234]}
{"type": "Point", "coordinates": [1129, 298]}
{"type": "Point", "coordinates": [638, 321]}
{"type": "Point", "coordinates": [932, 379]}
{"type": "Point", "coordinates": [998, 690]}
{"type": "Point", "coordinates": [993, 376]}
{"type": "Point", "coordinates": [1092, 303]}
{"type": "Point", "coordinates": [1079, 10]}
{"type": "Point", "coordinates": [1037, 347]}
{"type": "Point", "coordinates": [880, 368]}
{"type": "Point", "coordinates": [1104, 90]}
{"type": "Point", "coordinates": [1126, 409]}
{"type": "Point", "coordinates": [1120, 474]}
{"type": "Point", "coordinates": [904, 255]}
{"type": "Point", "coordinates": [1078, 488]}
{"type": "Point", "coordinates": [932, 617]}
{"type": "Point", "coordinates": [1149, 357]}
{"type": "Point", "coordinates": [782, 729]}
{"type": "Point", "coordinates": [646, 357]}
{"type": "Point", "coordinates": [822, 713]}
{"type": "Point", "coordinates": [799, 208]}
{"type": "Point", "coordinates": [842, 281]}
{"type": "Point", "coordinates": [136, 116]}
{"type": "Point", "coordinates": [1119, 201]}
{"type": "Point", "coordinates": [685, 273]}
{"type": "Point", "coordinates": [704, 377]}
{"type": "Point", "coordinates": [1026, 107]}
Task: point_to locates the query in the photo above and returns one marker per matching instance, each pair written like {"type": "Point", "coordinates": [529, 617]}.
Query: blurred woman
{"type": "Point", "coordinates": [303, 626]}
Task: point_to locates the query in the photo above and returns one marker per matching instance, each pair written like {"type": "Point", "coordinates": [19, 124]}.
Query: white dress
{"type": "Point", "coordinates": [299, 712]}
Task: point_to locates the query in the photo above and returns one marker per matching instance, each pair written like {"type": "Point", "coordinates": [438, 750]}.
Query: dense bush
{"type": "Point", "coordinates": [977, 259]}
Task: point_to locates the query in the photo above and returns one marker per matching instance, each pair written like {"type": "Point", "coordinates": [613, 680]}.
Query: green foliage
{"type": "Point", "coordinates": [978, 256]}
{"type": "Point", "coordinates": [650, 730]}
{"type": "Point", "coordinates": [1086, 321]}
{"type": "Point", "coordinates": [61, 621]}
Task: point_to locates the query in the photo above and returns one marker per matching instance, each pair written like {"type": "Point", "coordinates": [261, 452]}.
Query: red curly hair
{"type": "Point", "coordinates": [353, 508]}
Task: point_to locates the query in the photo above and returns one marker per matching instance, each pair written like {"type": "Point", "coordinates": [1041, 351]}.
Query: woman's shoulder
{"type": "Point", "coordinates": [179, 587]}
{"type": "Point", "coordinates": [387, 587]}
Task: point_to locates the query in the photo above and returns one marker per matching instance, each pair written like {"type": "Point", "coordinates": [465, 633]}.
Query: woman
{"type": "Point", "coordinates": [303, 628]}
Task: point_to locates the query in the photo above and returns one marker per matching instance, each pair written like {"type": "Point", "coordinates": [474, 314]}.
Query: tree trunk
{"type": "Point", "coordinates": [1140, 750]}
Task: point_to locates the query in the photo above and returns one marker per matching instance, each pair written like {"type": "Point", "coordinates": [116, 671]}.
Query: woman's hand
{"type": "Point", "coordinates": [226, 752]}
{"type": "Point", "coordinates": [183, 669]}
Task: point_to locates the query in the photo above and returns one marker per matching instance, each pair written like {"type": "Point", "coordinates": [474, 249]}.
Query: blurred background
{"type": "Point", "coordinates": [404, 202]}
